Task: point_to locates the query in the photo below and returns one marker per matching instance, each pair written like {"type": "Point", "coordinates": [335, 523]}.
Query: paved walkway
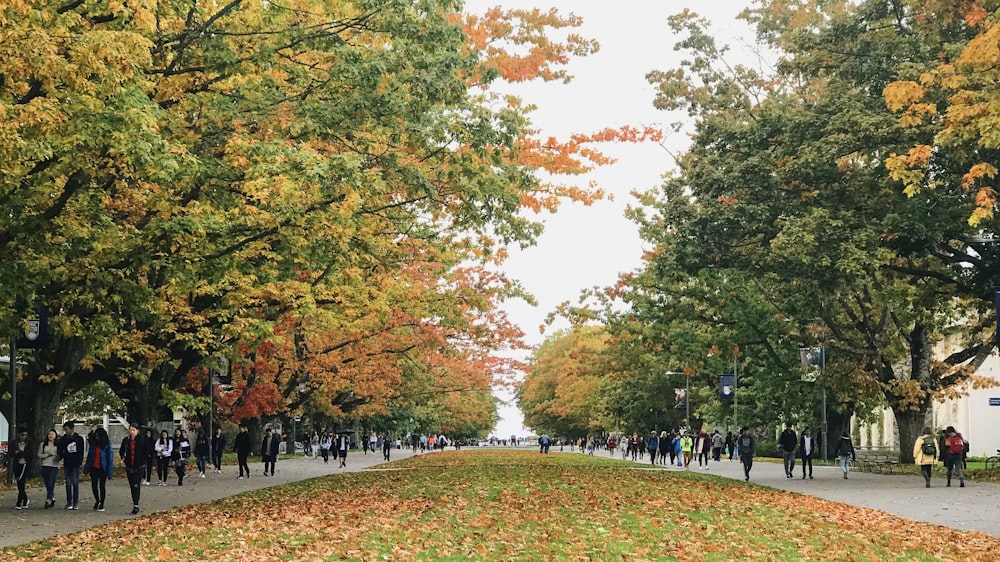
{"type": "Point", "coordinates": [36, 523]}
{"type": "Point", "coordinates": [972, 508]}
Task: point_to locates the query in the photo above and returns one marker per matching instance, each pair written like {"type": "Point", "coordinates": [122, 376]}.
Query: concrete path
{"type": "Point", "coordinates": [972, 508]}
{"type": "Point", "coordinates": [36, 523]}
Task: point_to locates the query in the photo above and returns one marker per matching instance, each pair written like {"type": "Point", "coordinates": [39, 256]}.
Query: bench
{"type": "Point", "coordinates": [877, 460]}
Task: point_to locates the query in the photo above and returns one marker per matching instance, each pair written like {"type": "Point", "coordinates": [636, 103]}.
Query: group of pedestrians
{"type": "Point", "coordinates": [950, 447]}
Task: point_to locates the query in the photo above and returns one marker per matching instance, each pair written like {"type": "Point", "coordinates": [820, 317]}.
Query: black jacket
{"type": "Point", "coordinates": [141, 453]}
{"type": "Point", "coordinates": [71, 450]}
{"type": "Point", "coordinates": [242, 445]}
{"type": "Point", "coordinates": [788, 440]}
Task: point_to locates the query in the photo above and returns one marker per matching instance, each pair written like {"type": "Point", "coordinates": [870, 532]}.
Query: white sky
{"type": "Point", "coordinates": [583, 247]}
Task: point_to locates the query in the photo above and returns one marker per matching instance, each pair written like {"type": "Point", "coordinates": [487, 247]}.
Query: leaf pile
{"type": "Point", "coordinates": [503, 505]}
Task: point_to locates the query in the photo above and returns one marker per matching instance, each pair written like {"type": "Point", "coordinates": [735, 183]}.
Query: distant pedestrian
{"type": "Point", "coordinates": [703, 448]}
{"type": "Point", "coordinates": [314, 444]}
{"type": "Point", "coordinates": [730, 445]}
{"type": "Point", "coordinates": [663, 447]}
{"type": "Point", "coordinates": [325, 444]}
{"type": "Point", "coordinates": [845, 450]}
{"type": "Point", "coordinates": [925, 454]}
{"type": "Point", "coordinates": [343, 444]}
{"type": "Point", "coordinates": [218, 448]}
{"type": "Point", "coordinates": [269, 449]}
{"type": "Point", "coordinates": [717, 444]}
{"type": "Point", "coordinates": [181, 454]}
{"type": "Point", "coordinates": [807, 445]}
{"type": "Point", "coordinates": [149, 438]}
{"type": "Point", "coordinates": [100, 466]}
{"type": "Point", "coordinates": [22, 453]}
{"type": "Point", "coordinates": [71, 449]}
{"type": "Point", "coordinates": [687, 447]}
{"type": "Point", "coordinates": [747, 444]}
{"type": "Point", "coordinates": [242, 447]}
{"type": "Point", "coordinates": [787, 442]}
{"type": "Point", "coordinates": [49, 458]}
{"type": "Point", "coordinates": [386, 446]}
{"type": "Point", "coordinates": [164, 448]}
{"type": "Point", "coordinates": [652, 444]}
{"type": "Point", "coordinates": [953, 453]}
{"type": "Point", "coordinates": [134, 458]}
{"type": "Point", "coordinates": [544, 442]}
{"type": "Point", "coordinates": [201, 452]}
{"type": "Point", "coordinates": [372, 442]}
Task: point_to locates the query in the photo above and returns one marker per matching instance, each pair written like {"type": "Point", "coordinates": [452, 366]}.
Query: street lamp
{"type": "Point", "coordinates": [687, 394]}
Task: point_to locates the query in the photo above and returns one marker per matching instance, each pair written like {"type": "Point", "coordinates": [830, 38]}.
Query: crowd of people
{"type": "Point", "coordinates": [143, 451]}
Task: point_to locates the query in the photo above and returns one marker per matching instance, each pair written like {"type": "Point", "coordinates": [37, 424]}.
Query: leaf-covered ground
{"type": "Point", "coordinates": [505, 505]}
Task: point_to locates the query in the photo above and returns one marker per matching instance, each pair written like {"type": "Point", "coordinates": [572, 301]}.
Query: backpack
{"type": "Point", "coordinates": [955, 444]}
{"type": "Point", "coordinates": [927, 447]}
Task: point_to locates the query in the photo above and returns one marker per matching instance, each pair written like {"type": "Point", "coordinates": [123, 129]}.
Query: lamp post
{"type": "Point", "coordinates": [687, 394]}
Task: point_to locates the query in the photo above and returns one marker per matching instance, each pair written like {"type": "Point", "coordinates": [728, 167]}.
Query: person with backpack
{"type": "Point", "coordinates": [953, 455]}
{"type": "Point", "coordinates": [925, 454]}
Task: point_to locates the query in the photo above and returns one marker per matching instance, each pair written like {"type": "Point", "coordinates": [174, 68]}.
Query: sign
{"type": "Point", "coordinates": [727, 386]}
{"type": "Point", "coordinates": [36, 335]}
{"type": "Point", "coordinates": [994, 401]}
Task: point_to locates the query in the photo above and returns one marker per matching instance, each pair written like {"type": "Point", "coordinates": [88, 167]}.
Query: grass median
{"type": "Point", "coordinates": [505, 505]}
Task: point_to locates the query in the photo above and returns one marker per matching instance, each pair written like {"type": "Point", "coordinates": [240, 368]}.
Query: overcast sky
{"type": "Point", "coordinates": [584, 246]}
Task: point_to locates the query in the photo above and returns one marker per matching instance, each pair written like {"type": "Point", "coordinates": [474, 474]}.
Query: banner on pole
{"type": "Point", "coordinates": [811, 356]}
{"type": "Point", "coordinates": [727, 386]}
{"type": "Point", "coordinates": [36, 335]}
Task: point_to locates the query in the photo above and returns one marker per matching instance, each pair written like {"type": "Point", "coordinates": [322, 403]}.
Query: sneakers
{"type": "Point", "coordinates": [145, 482]}
{"type": "Point", "coordinates": [265, 473]}
{"type": "Point", "coordinates": [49, 503]}
{"type": "Point", "coordinates": [135, 510]}
{"type": "Point", "coordinates": [17, 507]}
{"type": "Point", "coordinates": [240, 477]}
{"type": "Point", "coordinates": [845, 476]}
{"type": "Point", "coordinates": [100, 507]}
{"type": "Point", "coordinates": [25, 506]}
{"type": "Point", "coordinates": [202, 474]}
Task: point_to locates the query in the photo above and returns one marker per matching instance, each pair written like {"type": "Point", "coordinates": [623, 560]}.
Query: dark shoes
{"type": "Point", "coordinates": [135, 510]}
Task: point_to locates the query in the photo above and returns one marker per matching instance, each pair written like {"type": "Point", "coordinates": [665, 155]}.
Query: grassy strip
{"type": "Point", "coordinates": [504, 505]}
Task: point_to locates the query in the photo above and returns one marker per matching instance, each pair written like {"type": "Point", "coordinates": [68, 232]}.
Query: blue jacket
{"type": "Point", "coordinates": [652, 442]}
{"type": "Point", "coordinates": [107, 460]}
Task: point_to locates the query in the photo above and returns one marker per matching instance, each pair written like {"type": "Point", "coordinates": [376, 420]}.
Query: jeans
{"type": "Point", "coordinates": [202, 463]}
{"type": "Point", "coordinates": [242, 460]}
{"type": "Point", "coordinates": [72, 485]}
{"type": "Point", "coordinates": [789, 458]}
{"type": "Point", "coordinates": [217, 459]}
{"type": "Point", "coordinates": [807, 461]}
{"type": "Point", "coordinates": [49, 474]}
{"type": "Point", "coordinates": [844, 463]}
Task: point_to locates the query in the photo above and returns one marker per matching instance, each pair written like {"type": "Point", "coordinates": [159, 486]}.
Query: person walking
{"type": "Point", "coordinates": [325, 444]}
{"type": "Point", "coordinates": [164, 448]}
{"type": "Point", "coordinates": [730, 445]}
{"type": "Point", "coordinates": [704, 449]}
{"type": "Point", "coordinates": [100, 466]}
{"type": "Point", "coordinates": [343, 444]}
{"type": "Point", "coordinates": [663, 447]}
{"type": "Point", "coordinates": [218, 448]}
{"type": "Point", "coordinates": [269, 448]}
{"type": "Point", "coordinates": [21, 454]}
{"type": "Point", "coordinates": [49, 459]}
{"type": "Point", "coordinates": [201, 452]}
{"type": "Point", "coordinates": [717, 443]}
{"type": "Point", "coordinates": [134, 459]}
{"type": "Point", "coordinates": [386, 446]}
{"type": "Point", "coordinates": [687, 446]}
{"type": "Point", "coordinates": [953, 455]}
{"type": "Point", "coordinates": [925, 454]}
{"type": "Point", "coordinates": [242, 447]}
{"type": "Point", "coordinates": [149, 440]}
{"type": "Point", "coordinates": [71, 449]}
{"type": "Point", "coordinates": [314, 443]}
{"type": "Point", "coordinates": [788, 441]}
{"type": "Point", "coordinates": [652, 445]}
{"type": "Point", "coordinates": [747, 444]}
{"type": "Point", "coordinates": [845, 451]}
{"type": "Point", "coordinates": [807, 446]}
{"type": "Point", "coordinates": [181, 455]}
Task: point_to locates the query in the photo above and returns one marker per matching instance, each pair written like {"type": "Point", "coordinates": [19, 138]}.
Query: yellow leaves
{"type": "Point", "coordinates": [978, 171]}
{"type": "Point", "coordinates": [983, 51]}
{"type": "Point", "coordinates": [901, 94]}
{"type": "Point", "coordinates": [908, 168]}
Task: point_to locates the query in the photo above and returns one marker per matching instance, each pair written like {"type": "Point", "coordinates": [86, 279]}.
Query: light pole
{"type": "Point", "coordinates": [687, 394]}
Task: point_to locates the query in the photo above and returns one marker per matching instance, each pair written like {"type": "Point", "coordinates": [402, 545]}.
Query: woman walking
{"type": "Point", "coordinates": [150, 452]}
{"type": "Point", "coordinates": [100, 465]}
{"type": "Point", "coordinates": [925, 454]}
{"type": "Point", "coordinates": [845, 450]}
{"type": "Point", "coordinates": [50, 466]}
{"type": "Point", "coordinates": [21, 457]}
{"type": "Point", "coordinates": [181, 454]}
{"type": "Point", "coordinates": [164, 450]}
{"type": "Point", "coordinates": [218, 447]}
{"type": "Point", "coordinates": [201, 452]}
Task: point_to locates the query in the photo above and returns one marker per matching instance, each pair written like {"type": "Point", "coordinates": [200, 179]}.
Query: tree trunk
{"type": "Point", "coordinates": [910, 424]}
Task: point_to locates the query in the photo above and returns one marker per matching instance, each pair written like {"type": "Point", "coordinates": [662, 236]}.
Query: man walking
{"type": "Point", "coordinates": [71, 451]}
{"type": "Point", "coordinates": [134, 457]}
{"type": "Point", "coordinates": [242, 447]}
{"type": "Point", "coordinates": [788, 441]}
{"type": "Point", "coordinates": [269, 448]}
{"type": "Point", "coordinates": [747, 445]}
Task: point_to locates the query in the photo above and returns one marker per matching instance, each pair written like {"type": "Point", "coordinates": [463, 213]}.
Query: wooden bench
{"type": "Point", "coordinates": [877, 460]}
